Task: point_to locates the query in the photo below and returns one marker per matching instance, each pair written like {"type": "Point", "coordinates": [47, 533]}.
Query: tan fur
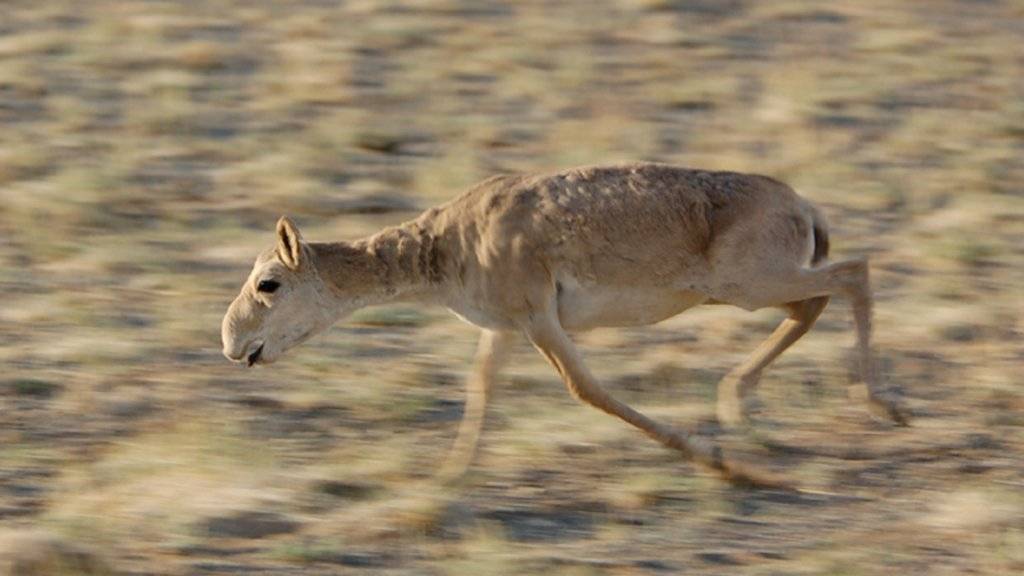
{"type": "Point", "coordinates": [547, 255]}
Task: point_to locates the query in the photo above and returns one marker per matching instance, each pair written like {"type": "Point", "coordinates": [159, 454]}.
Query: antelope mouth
{"type": "Point", "coordinates": [255, 356]}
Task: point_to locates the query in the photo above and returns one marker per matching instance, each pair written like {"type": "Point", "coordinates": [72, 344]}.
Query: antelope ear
{"type": "Point", "coordinates": [288, 243]}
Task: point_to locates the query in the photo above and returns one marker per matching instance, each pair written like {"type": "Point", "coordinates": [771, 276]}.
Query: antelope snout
{"type": "Point", "coordinates": [233, 354]}
{"type": "Point", "coordinates": [235, 349]}
{"type": "Point", "coordinates": [231, 349]}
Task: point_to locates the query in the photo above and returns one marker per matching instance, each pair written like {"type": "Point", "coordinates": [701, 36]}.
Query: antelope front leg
{"type": "Point", "coordinates": [547, 335]}
{"type": "Point", "coordinates": [491, 355]}
{"type": "Point", "coordinates": [550, 339]}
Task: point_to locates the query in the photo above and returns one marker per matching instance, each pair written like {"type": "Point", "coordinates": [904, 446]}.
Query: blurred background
{"type": "Point", "coordinates": [148, 147]}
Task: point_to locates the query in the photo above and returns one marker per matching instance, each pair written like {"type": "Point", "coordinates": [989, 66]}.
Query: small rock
{"type": "Point", "coordinates": [720, 558]}
{"type": "Point", "coordinates": [542, 525]}
{"type": "Point", "coordinates": [654, 565]}
{"type": "Point", "coordinates": [213, 551]}
{"type": "Point", "coordinates": [346, 490]}
{"type": "Point", "coordinates": [374, 204]}
{"type": "Point", "coordinates": [982, 441]}
{"type": "Point", "coordinates": [34, 388]}
{"type": "Point", "coordinates": [259, 402]}
{"type": "Point", "coordinates": [441, 410]}
{"type": "Point", "coordinates": [131, 409]}
{"type": "Point", "coordinates": [250, 524]}
{"type": "Point", "coordinates": [379, 142]}
{"type": "Point", "coordinates": [960, 332]}
{"type": "Point", "coordinates": [578, 448]}
{"type": "Point", "coordinates": [361, 560]}
{"type": "Point", "coordinates": [974, 467]}
{"type": "Point", "coordinates": [230, 568]}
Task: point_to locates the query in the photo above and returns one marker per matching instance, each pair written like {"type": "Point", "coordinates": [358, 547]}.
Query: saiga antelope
{"type": "Point", "coordinates": [548, 255]}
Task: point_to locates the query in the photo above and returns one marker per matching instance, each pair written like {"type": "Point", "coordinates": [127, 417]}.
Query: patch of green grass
{"type": "Point", "coordinates": [35, 387]}
{"type": "Point", "coordinates": [1007, 550]}
{"type": "Point", "coordinates": [967, 250]}
{"type": "Point", "coordinates": [485, 552]}
{"type": "Point", "coordinates": [439, 179]}
{"type": "Point", "coordinates": [409, 406]}
{"type": "Point", "coordinates": [309, 551]}
{"type": "Point", "coordinates": [23, 164]}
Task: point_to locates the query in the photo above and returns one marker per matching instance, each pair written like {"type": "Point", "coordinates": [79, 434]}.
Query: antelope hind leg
{"type": "Point", "coordinates": [848, 278]}
{"type": "Point", "coordinates": [735, 388]}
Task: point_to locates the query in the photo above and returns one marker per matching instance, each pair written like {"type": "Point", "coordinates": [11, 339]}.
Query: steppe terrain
{"type": "Point", "coordinates": [148, 147]}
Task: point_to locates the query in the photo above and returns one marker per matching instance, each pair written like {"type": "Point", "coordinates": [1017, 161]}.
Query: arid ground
{"type": "Point", "coordinates": [148, 147]}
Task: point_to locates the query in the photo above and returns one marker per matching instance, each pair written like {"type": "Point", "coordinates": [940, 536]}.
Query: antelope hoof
{"type": "Point", "coordinates": [734, 406]}
{"type": "Point", "coordinates": [731, 414]}
{"type": "Point", "coordinates": [889, 410]}
{"type": "Point", "coordinates": [881, 405]}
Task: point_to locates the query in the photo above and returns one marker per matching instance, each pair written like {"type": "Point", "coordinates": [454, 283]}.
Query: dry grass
{"type": "Point", "coordinates": [147, 148]}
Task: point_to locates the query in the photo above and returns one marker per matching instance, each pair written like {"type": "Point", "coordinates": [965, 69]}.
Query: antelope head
{"type": "Point", "coordinates": [282, 303]}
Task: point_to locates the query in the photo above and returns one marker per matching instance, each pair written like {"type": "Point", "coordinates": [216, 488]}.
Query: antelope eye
{"type": "Point", "coordinates": [268, 286]}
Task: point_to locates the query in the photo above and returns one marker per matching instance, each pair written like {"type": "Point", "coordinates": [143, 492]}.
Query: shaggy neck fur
{"type": "Point", "coordinates": [398, 263]}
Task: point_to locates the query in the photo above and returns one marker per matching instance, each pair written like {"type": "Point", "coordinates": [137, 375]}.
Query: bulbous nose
{"type": "Point", "coordinates": [231, 350]}
{"type": "Point", "coordinates": [233, 355]}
